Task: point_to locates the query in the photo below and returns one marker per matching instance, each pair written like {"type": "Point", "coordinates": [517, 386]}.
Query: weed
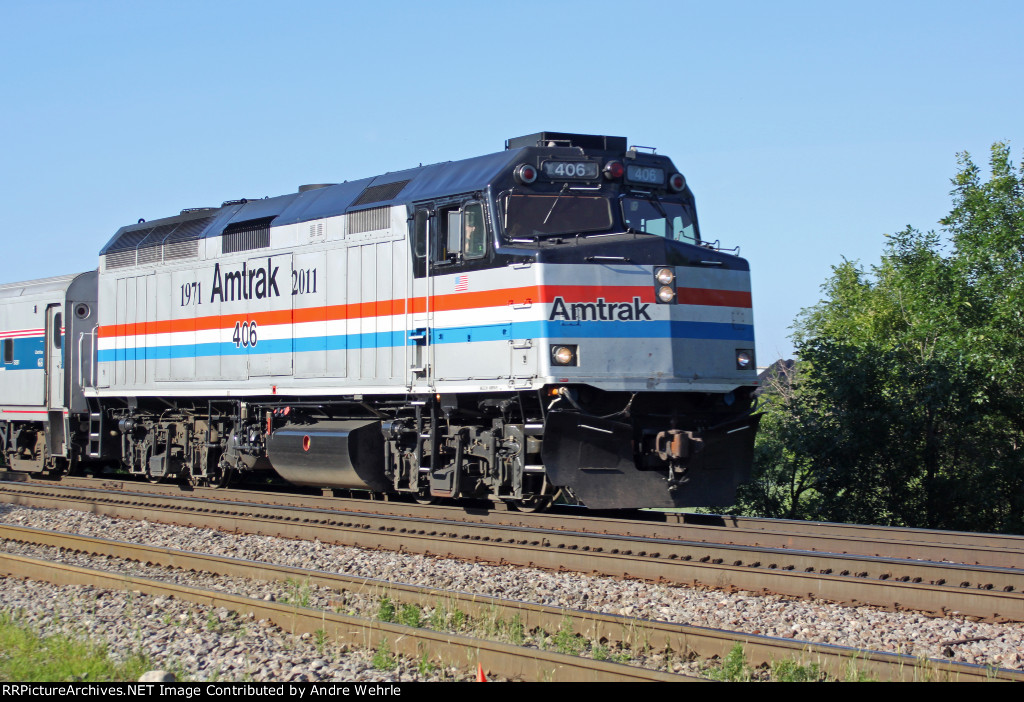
{"type": "Point", "coordinates": [515, 631]}
{"type": "Point", "coordinates": [320, 640]}
{"type": "Point", "coordinates": [566, 641]}
{"type": "Point", "coordinates": [855, 674]}
{"type": "Point", "coordinates": [425, 667]}
{"type": "Point", "coordinates": [383, 659]}
{"type": "Point", "coordinates": [791, 671]}
{"type": "Point", "coordinates": [411, 615]}
{"type": "Point", "coordinates": [599, 652]}
{"type": "Point", "coordinates": [297, 593]}
{"type": "Point", "coordinates": [212, 622]}
{"type": "Point", "coordinates": [458, 620]}
{"type": "Point", "coordinates": [622, 656]}
{"type": "Point", "coordinates": [438, 618]}
{"type": "Point", "coordinates": [734, 667]}
{"type": "Point", "coordinates": [386, 610]}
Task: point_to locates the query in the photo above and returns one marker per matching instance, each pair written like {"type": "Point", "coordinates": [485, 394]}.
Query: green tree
{"type": "Point", "coordinates": [907, 405]}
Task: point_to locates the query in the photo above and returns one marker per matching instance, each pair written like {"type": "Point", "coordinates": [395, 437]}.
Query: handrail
{"type": "Point", "coordinates": [92, 375]}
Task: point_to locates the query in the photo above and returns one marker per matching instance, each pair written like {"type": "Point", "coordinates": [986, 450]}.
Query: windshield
{"type": "Point", "coordinates": [671, 220]}
{"type": "Point", "coordinates": [528, 216]}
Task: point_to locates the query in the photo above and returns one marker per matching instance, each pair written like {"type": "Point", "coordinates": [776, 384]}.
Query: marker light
{"type": "Point", "coordinates": [677, 182]}
{"type": "Point", "coordinates": [525, 173]}
{"type": "Point", "coordinates": [614, 170]}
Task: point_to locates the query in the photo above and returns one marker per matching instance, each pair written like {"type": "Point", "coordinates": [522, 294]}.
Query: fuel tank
{"type": "Point", "coordinates": [333, 454]}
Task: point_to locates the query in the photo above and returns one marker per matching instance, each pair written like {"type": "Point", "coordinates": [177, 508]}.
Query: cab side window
{"type": "Point", "coordinates": [474, 239]}
{"type": "Point", "coordinates": [453, 234]}
{"type": "Point", "coordinates": [421, 222]}
{"type": "Point", "coordinates": [451, 237]}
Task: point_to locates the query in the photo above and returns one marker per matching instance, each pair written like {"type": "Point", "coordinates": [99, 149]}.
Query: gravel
{"type": "Point", "coordinates": [211, 644]}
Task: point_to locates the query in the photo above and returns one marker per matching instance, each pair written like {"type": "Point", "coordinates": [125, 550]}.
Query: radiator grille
{"type": "Point", "coordinates": [120, 259]}
{"type": "Point", "coordinates": [244, 236]}
{"type": "Point", "coordinates": [181, 249]}
{"type": "Point", "coordinates": [369, 220]}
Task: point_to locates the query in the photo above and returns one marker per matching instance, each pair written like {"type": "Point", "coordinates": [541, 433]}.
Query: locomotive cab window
{"type": "Point", "coordinates": [474, 239]}
{"type": "Point", "coordinates": [420, 225]}
{"type": "Point", "coordinates": [671, 220]}
{"type": "Point", "coordinates": [555, 214]}
{"type": "Point", "coordinates": [453, 231]}
{"type": "Point", "coordinates": [463, 236]}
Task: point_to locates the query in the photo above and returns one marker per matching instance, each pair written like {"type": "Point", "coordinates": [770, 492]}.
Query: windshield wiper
{"type": "Point", "coordinates": [548, 216]}
{"type": "Point", "coordinates": [657, 203]}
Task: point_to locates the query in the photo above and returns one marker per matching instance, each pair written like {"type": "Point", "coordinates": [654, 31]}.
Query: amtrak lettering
{"type": "Point", "coordinates": [245, 284]}
{"type": "Point", "coordinates": [600, 310]}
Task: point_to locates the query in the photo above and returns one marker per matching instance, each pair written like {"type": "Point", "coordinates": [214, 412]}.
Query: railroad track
{"type": "Point", "coordinates": [1000, 550]}
{"type": "Point", "coordinates": [629, 634]}
{"type": "Point", "coordinates": [977, 590]}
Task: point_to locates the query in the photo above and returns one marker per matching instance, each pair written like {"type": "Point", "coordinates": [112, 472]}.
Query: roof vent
{"type": "Point", "coordinates": [380, 193]}
{"type": "Point", "coordinates": [314, 186]}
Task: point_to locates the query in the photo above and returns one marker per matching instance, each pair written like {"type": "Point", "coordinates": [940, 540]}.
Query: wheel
{"type": "Point", "coordinates": [537, 503]}
{"type": "Point", "coordinates": [423, 497]}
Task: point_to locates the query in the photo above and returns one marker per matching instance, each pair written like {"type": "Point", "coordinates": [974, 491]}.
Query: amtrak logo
{"type": "Point", "coordinates": [245, 284]}
{"type": "Point", "coordinates": [603, 311]}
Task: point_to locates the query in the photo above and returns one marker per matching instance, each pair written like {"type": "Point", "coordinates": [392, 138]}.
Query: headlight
{"type": "Point", "coordinates": [563, 355]}
{"type": "Point", "coordinates": [665, 276]}
{"type": "Point", "coordinates": [666, 294]}
{"type": "Point", "coordinates": [744, 359]}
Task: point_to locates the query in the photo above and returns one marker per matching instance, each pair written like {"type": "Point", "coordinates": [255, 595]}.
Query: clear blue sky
{"type": "Point", "coordinates": [808, 130]}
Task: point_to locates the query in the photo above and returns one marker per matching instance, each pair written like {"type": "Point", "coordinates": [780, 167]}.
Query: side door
{"type": "Point", "coordinates": [418, 307]}
{"type": "Point", "coordinates": [54, 355]}
{"type": "Point", "coordinates": [471, 328]}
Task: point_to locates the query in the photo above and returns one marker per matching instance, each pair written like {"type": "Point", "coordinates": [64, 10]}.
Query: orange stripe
{"type": "Point", "coordinates": [439, 303]}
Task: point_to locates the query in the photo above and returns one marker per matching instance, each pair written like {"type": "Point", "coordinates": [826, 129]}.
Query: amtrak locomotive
{"type": "Point", "coordinates": [543, 321]}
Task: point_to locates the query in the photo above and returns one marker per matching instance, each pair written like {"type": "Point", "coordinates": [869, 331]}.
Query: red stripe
{"type": "Point", "coordinates": [439, 303]}
{"type": "Point", "coordinates": [21, 332]}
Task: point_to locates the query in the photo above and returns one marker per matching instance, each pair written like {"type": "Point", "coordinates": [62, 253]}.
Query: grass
{"type": "Point", "coordinates": [425, 668]}
{"type": "Point", "coordinates": [28, 657]}
{"type": "Point", "coordinates": [297, 594]}
{"type": "Point", "coordinates": [734, 668]}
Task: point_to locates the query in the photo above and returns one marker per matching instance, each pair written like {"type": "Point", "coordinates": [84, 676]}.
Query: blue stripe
{"type": "Point", "coordinates": [448, 335]}
{"type": "Point", "coordinates": [28, 351]}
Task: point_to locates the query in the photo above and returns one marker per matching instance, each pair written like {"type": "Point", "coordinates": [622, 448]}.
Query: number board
{"type": "Point", "coordinates": [570, 170]}
{"type": "Point", "coordinates": [648, 175]}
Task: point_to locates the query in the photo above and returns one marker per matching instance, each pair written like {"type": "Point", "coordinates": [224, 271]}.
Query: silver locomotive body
{"type": "Point", "coordinates": [541, 321]}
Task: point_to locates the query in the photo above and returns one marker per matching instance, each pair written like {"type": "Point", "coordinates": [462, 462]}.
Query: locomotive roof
{"type": "Point", "coordinates": [414, 184]}
{"type": "Point", "coordinates": [56, 284]}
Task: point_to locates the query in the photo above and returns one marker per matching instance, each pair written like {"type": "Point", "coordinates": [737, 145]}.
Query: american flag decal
{"type": "Point", "coordinates": [462, 283]}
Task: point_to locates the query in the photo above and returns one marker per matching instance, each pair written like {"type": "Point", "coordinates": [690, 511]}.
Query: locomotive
{"type": "Point", "coordinates": [545, 321]}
